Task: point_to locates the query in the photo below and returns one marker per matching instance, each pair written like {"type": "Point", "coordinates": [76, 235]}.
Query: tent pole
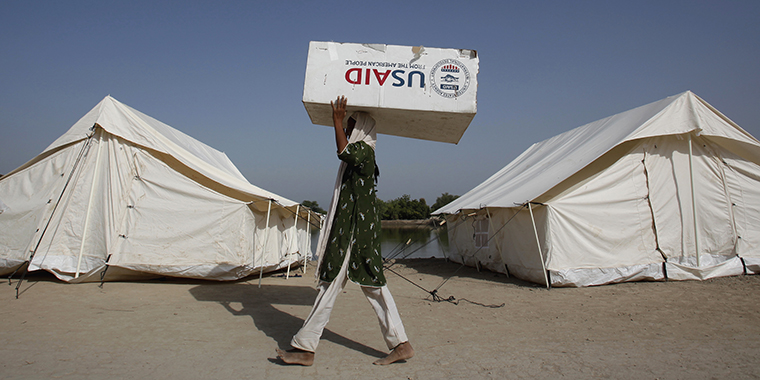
{"type": "Point", "coordinates": [440, 243]}
{"type": "Point", "coordinates": [254, 240]}
{"type": "Point", "coordinates": [95, 178]}
{"type": "Point", "coordinates": [295, 238]}
{"type": "Point", "coordinates": [490, 228]}
{"type": "Point", "coordinates": [307, 249]}
{"type": "Point", "coordinates": [693, 200]}
{"type": "Point", "coordinates": [538, 244]}
{"type": "Point", "coordinates": [266, 240]}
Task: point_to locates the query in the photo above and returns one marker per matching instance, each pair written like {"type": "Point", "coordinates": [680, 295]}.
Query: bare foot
{"type": "Point", "coordinates": [402, 352]}
{"type": "Point", "coordinates": [296, 356]}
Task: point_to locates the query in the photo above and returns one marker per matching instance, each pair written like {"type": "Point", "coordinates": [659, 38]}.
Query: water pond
{"type": "Point", "coordinates": [419, 242]}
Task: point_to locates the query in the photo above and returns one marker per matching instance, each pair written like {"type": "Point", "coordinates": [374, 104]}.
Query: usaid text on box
{"type": "Point", "coordinates": [449, 78]}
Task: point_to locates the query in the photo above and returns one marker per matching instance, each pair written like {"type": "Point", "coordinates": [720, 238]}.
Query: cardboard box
{"type": "Point", "coordinates": [410, 91]}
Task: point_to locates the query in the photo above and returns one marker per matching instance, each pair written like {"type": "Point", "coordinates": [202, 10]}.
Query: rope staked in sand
{"type": "Point", "coordinates": [434, 293]}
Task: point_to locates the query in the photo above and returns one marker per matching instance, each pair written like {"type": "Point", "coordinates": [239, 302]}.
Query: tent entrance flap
{"type": "Point", "coordinates": [96, 177]}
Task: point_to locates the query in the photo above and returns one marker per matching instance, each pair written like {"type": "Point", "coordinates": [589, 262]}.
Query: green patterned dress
{"type": "Point", "coordinates": [356, 217]}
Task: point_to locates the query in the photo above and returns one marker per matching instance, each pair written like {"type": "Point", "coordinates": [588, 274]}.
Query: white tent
{"type": "Point", "coordinates": [667, 190]}
{"type": "Point", "coordinates": [125, 192]}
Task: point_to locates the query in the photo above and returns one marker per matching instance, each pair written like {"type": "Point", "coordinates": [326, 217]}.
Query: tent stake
{"type": "Point", "coordinates": [266, 240]}
{"type": "Point", "coordinates": [103, 273]}
{"type": "Point", "coordinates": [538, 244]}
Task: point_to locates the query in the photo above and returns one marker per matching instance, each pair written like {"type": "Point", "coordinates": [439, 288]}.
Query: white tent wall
{"type": "Point", "coordinates": [743, 181]}
{"type": "Point", "coordinates": [293, 249]}
{"type": "Point", "coordinates": [627, 214]}
{"type": "Point", "coordinates": [298, 235]}
{"type": "Point", "coordinates": [584, 228]}
{"type": "Point", "coordinates": [672, 206]}
{"type": "Point", "coordinates": [307, 225]}
{"type": "Point", "coordinates": [143, 209]}
{"type": "Point", "coordinates": [511, 246]}
{"type": "Point", "coordinates": [461, 229]}
{"type": "Point", "coordinates": [520, 250]}
{"type": "Point", "coordinates": [60, 237]}
{"type": "Point", "coordinates": [272, 241]}
{"type": "Point", "coordinates": [585, 223]}
{"type": "Point", "coordinates": [30, 206]}
{"type": "Point", "coordinates": [174, 227]}
{"type": "Point", "coordinates": [602, 226]}
{"type": "Point", "coordinates": [151, 220]}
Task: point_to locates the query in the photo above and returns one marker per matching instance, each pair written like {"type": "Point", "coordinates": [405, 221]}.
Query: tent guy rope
{"type": "Point", "coordinates": [434, 293]}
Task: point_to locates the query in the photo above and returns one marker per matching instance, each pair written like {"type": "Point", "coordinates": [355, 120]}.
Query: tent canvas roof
{"type": "Point", "coordinates": [547, 163]}
{"type": "Point", "coordinates": [134, 126]}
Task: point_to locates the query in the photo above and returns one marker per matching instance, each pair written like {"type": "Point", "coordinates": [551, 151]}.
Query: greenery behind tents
{"type": "Point", "coordinates": [401, 208]}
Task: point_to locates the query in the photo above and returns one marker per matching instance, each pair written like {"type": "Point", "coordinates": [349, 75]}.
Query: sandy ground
{"type": "Point", "coordinates": [202, 330]}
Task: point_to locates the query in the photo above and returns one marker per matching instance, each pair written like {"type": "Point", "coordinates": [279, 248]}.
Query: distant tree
{"type": "Point", "coordinates": [405, 208]}
{"type": "Point", "coordinates": [314, 206]}
{"type": "Point", "coordinates": [443, 200]}
{"type": "Point", "coordinates": [382, 206]}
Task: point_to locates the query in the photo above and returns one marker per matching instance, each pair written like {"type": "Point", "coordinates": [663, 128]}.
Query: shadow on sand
{"type": "Point", "coordinates": [258, 303]}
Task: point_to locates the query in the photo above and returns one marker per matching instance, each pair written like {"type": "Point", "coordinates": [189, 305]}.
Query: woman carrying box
{"type": "Point", "coordinates": [350, 248]}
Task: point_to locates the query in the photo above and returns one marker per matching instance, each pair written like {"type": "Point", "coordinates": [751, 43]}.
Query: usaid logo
{"type": "Point", "coordinates": [450, 78]}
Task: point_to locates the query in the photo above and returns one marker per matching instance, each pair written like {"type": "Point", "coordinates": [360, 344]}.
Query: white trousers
{"type": "Point", "coordinates": [380, 298]}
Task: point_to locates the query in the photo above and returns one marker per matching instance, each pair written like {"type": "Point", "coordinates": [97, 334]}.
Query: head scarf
{"type": "Point", "coordinates": [364, 130]}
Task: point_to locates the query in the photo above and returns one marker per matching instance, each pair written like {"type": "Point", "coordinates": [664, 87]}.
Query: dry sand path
{"type": "Point", "coordinates": [180, 329]}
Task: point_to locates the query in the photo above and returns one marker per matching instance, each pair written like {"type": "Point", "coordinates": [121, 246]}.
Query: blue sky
{"type": "Point", "coordinates": [231, 75]}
